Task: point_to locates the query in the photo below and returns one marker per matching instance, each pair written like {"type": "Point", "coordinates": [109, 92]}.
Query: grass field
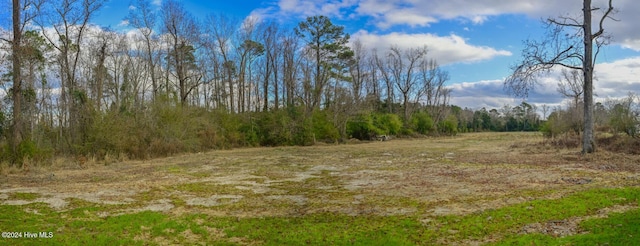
{"type": "Point", "coordinates": [473, 189]}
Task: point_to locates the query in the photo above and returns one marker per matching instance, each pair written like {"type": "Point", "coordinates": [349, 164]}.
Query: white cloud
{"type": "Point", "coordinates": [157, 3]}
{"type": "Point", "coordinates": [614, 81]}
{"type": "Point", "coordinates": [445, 50]}
{"type": "Point", "coordinates": [405, 17]}
{"type": "Point", "coordinates": [414, 13]}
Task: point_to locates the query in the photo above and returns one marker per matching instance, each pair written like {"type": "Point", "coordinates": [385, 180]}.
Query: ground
{"type": "Point", "coordinates": [427, 181]}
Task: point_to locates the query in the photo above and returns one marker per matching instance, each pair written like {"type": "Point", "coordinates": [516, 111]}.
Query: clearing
{"type": "Point", "coordinates": [454, 190]}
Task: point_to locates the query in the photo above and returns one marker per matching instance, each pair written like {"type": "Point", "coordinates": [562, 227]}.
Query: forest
{"type": "Point", "coordinates": [182, 84]}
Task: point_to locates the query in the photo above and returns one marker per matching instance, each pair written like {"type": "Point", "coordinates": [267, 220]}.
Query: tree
{"type": "Point", "coordinates": [270, 39]}
{"type": "Point", "coordinates": [433, 87]}
{"type": "Point", "coordinates": [22, 53]}
{"type": "Point", "coordinates": [16, 136]}
{"type": "Point", "coordinates": [327, 44]}
{"type": "Point", "coordinates": [69, 20]}
{"type": "Point", "coordinates": [569, 50]}
{"type": "Point", "coordinates": [144, 19]}
{"type": "Point", "coordinates": [386, 77]}
{"type": "Point", "coordinates": [358, 70]}
{"type": "Point", "coordinates": [221, 30]}
{"type": "Point", "coordinates": [403, 66]}
{"type": "Point", "coordinates": [183, 33]}
{"type": "Point", "coordinates": [571, 85]}
{"type": "Point", "coordinates": [32, 53]}
{"type": "Point", "coordinates": [291, 62]}
{"type": "Point", "coordinates": [623, 117]}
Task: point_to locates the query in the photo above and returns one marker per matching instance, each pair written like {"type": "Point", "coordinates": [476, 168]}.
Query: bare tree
{"type": "Point", "coordinates": [144, 19]}
{"type": "Point", "coordinates": [372, 82]}
{"type": "Point", "coordinates": [69, 20]}
{"type": "Point", "coordinates": [248, 50]}
{"type": "Point", "coordinates": [573, 50]}
{"type": "Point", "coordinates": [545, 109]}
{"type": "Point", "coordinates": [382, 67]}
{"type": "Point", "coordinates": [357, 70]}
{"type": "Point", "coordinates": [222, 29]}
{"type": "Point", "coordinates": [291, 62]}
{"type": "Point", "coordinates": [183, 33]}
{"type": "Point", "coordinates": [433, 87]}
{"type": "Point", "coordinates": [571, 85]}
{"type": "Point", "coordinates": [403, 66]}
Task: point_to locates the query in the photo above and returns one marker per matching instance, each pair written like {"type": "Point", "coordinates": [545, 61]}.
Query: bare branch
{"type": "Point", "coordinates": [571, 84]}
{"type": "Point", "coordinates": [609, 11]}
{"type": "Point", "coordinates": [565, 23]}
{"type": "Point", "coordinates": [561, 47]}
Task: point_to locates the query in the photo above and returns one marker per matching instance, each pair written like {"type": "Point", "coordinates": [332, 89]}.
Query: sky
{"type": "Point", "coordinates": [476, 41]}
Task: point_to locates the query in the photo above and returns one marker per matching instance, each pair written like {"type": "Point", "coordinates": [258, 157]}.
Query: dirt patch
{"type": "Point", "coordinates": [215, 200]}
{"type": "Point", "coordinates": [568, 227]}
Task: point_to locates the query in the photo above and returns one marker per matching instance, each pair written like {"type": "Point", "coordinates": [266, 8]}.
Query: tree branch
{"type": "Point", "coordinates": [554, 21]}
{"type": "Point", "coordinates": [605, 16]}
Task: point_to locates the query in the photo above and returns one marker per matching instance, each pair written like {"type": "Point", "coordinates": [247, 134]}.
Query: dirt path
{"type": "Point", "coordinates": [428, 177]}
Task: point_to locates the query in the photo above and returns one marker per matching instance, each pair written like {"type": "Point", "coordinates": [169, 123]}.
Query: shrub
{"type": "Point", "coordinates": [273, 128]}
{"type": "Point", "coordinates": [449, 126]}
{"type": "Point", "coordinates": [26, 150]}
{"type": "Point", "coordinates": [362, 127]}
{"type": "Point", "coordinates": [388, 123]}
{"type": "Point", "coordinates": [556, 125]}
{"type": "Point", "coordinates": [422, 123]}
{"type": "Point", "coordinates": [323, 129]}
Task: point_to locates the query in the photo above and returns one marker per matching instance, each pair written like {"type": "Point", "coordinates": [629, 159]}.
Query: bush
{"type": "Point", "coordinates": [362, 127]}
{"type": "Point", "coordinates": [323, 129]}
{"type": "Point", "coordinates": [449, 126]}
{"type": "Point", "coordinates": [388, 123]}
{"type": "Point", "coordinates": [422, 123]}
{"type": "Point", "coordinates": [623, 120]}
{"type": "Point", "coordinates": [556, 125]}
{"type": "Point", "coordinates": [273, 128]}
{"type": "Point", "coordinates": [26, 150]}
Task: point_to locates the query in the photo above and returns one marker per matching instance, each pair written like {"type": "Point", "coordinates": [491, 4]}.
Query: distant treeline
{"type": "Point", "coordinates": [180, 84]}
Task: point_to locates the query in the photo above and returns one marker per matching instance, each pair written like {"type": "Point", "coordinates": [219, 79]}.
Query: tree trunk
{"type": "Point", "coordinates": [100, 72]}
{"type": "Point", "coordinates": [588, 141]}
{"type": "Point", "coordinates": [265, 85]}
{"type": "Point", "coordinates": [405, 104]}
{"type": "Point", "coordinates": [16, 136]}
{"type": "Point", "coordinates": [152, 69]}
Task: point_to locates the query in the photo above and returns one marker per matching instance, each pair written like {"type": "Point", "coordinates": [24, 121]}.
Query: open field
{"type": "Point", "coordinates": [486, 188]}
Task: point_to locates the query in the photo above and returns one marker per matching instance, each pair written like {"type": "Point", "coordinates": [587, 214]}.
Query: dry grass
{"type": "Point", "coordinates": [423, 177]}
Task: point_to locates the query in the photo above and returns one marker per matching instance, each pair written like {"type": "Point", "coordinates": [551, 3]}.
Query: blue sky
{"type": "Point", "coordinates": [475, 40]}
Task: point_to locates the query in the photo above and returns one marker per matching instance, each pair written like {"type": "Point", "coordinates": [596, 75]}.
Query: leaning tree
{"type": "Point", "coordinates": [570, 43]}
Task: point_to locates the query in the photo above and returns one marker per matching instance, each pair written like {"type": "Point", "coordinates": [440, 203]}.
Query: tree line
{"type": "Point", "coordinates": [176, 83]}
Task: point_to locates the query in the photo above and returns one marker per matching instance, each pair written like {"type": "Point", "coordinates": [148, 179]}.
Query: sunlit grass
{"type": "Point", "coordinates": [82, 225]}
{"type": "Point", "coordinates": [470, 189]}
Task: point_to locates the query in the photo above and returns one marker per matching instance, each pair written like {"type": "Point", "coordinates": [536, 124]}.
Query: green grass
{"type": "Point", "coordinates": [509, 219]}
{"type": "Point", "coordinates": [326, 229]}
{"type": "Point", "coordinates": [82, 225]}
{"type": "Point", "coordinates": [24, 196]}
{"type": "Point", "coordinates": [617, 229]}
